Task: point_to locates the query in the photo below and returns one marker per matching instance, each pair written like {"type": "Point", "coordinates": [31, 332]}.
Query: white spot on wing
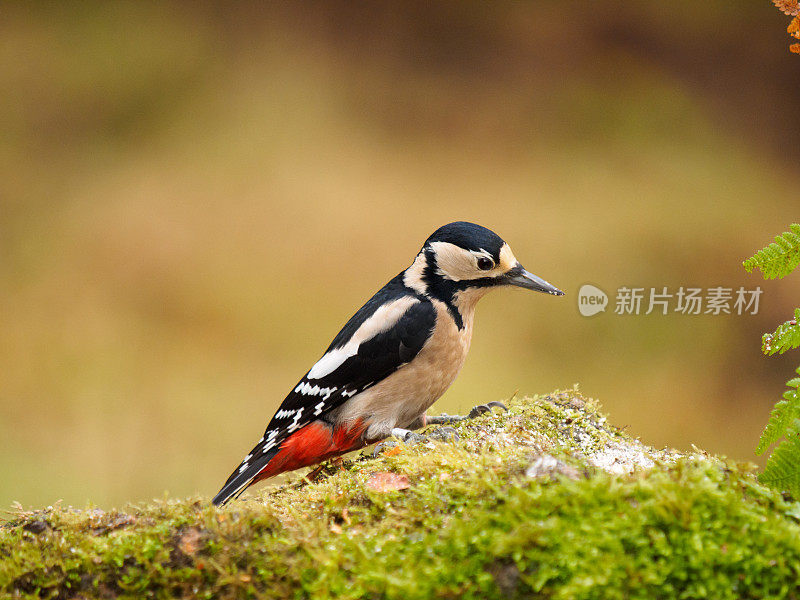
{"type": "Point", "coordinates": [270, 440]}
{"type": "Point", "coordinates": [383, 319]}
{"type": "Point", "coordinates": [296, 423]}
{"type": "Point", "coordinates": [306, 389]}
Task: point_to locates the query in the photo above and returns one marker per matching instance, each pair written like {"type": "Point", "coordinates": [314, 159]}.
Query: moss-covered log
{"type": "Point", "coordinates": [545, 501]}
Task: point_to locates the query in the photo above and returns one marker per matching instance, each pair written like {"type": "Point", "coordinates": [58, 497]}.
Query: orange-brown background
{"type": "Point", "coordinates": [194, 199]}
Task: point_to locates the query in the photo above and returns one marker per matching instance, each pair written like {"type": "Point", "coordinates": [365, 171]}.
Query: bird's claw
{"type": "Point", "coordinates": [411, 438]}
{"type": "Point", "coordinates": [445, 419]}
{"type": "Point", "coordinates": [486, 408]}
{"type": "Point", "coordinates": [440, 434]}
{"type": "Point", "coordinates": [444, 434]}
{"type": "Point", "coordinates": [407, 437]}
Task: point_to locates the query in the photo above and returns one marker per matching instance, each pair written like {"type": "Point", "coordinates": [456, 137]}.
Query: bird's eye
{"type": "Point", "coordinates": [484, 264]}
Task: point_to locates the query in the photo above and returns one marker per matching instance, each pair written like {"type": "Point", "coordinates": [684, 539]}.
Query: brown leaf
{"type": "Point", "coordinates": [394, 451]}
{"type": "Point", "coordinates": [189, 542]}
{"type": "Point", "coordinates": [387, 482]}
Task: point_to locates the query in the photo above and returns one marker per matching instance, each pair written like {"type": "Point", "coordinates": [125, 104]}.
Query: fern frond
{"type": "Point", "coordinates": [788, 7]}
{"type": "Point", "coordinates": [779, 258]}
{"type": "Point", "coordinates": [786, 337]}
{"type": "Point", "coordinates": [783, 467]}
{"type": "Point", "coordinates": [782, 417]}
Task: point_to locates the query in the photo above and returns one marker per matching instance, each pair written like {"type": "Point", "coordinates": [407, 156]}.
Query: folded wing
{"type": "Point", "coordinates": [379, 339]}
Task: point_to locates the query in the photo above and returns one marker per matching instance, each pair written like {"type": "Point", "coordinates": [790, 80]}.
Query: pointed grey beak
{"type": "Point", "coordinates": [519, 277]}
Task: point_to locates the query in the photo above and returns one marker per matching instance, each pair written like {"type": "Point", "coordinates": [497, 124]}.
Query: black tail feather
{"type": "Point", "coordinates": [240, 480]}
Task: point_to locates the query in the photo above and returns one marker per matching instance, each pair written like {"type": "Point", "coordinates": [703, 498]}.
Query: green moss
{"type": "Point", "coordinates": [471, 524]}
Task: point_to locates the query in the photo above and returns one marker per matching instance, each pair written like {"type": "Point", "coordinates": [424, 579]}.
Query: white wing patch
{"type": "Point", "coordinates": [383, 319]}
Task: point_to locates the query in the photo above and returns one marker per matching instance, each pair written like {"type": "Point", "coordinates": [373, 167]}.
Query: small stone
{"type": "Point", "coordinates": [387, 482]}
{"type": "Point", "coordinates": [36, 527]}
{"type": "Point", "coordinates": [549, 466]}
{"type": "Point", "coordinates": [576, 403]}
{"type": "Point", "coordinates": [506, 576]}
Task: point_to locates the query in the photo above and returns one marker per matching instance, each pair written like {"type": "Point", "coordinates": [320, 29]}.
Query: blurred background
{"type": "Point", "coordinates": [194, 199]}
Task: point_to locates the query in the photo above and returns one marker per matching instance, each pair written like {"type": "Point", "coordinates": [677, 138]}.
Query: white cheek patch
{"type": "Point", "coordinates": [457, 264]}
{"type": "Point", "coordinates": [381, 320]}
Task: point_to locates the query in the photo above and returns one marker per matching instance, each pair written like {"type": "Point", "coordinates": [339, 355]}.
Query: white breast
{"type": "Point", "coordinates": [406, 394]}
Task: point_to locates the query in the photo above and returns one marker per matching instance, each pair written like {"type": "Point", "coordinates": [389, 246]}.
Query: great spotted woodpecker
{"type": "Point", "coordinates": [392, 360]}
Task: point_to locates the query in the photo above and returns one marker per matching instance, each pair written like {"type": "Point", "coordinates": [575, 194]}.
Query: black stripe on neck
{"type": "Point", "coordinates": [442, 289]}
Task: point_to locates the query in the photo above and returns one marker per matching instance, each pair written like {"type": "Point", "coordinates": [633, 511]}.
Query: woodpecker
{"type": "Point", "coordinates": [392, 360]}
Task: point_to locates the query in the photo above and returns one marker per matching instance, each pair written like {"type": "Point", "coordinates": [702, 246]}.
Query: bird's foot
{"type": "Point", "coordinates": [411, 438]}
{"type": "Point", "coordinates": [439, 434]}
{"type": "Point", "coordinates": [326, 469]}
{"type": "Point", "coordinates": [445, 419]}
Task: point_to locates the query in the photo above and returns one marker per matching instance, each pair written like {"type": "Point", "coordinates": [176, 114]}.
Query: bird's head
{"type": "Point", "coordinates": [464, 260]}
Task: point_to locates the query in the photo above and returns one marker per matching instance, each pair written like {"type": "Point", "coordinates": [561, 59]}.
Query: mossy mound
{"type": "Point", "coordinates": [544, 501]}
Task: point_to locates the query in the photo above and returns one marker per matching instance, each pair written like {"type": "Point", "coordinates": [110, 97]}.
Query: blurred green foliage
{"type": "Point", "coordinates": [193, 199]}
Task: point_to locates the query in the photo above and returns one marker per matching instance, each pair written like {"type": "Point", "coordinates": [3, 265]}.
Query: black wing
{"type": "Point", "coordinates": [375, 359]}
